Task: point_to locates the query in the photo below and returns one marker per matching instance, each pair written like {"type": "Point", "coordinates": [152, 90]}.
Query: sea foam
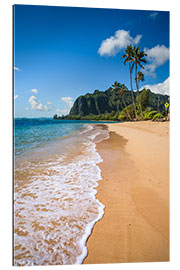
{"type": "Point", "coordinates": [56, 210]}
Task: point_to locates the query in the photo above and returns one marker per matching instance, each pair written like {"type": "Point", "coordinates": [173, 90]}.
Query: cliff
{"type": "Point", "coordinates": [101, 102]}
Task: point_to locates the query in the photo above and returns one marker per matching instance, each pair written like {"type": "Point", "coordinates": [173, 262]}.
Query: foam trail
{"type": "Point", "coordinates": [90, 226]}
{"type": "Point", "coordinates": [56, 207]}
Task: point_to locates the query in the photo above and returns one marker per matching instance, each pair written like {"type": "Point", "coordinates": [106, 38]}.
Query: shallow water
{"type": "Point", "coordinates": [55, 206]}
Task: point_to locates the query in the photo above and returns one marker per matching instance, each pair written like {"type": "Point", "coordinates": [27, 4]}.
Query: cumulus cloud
{"type": "Point", "coordinates": [34, 91]}
{"type": "Point", "coordinates": [156, 57]}
{"type": "Point", "coordinates": [153, 15]}
{"type": "Point", "coordinates": [68, 101]}
{"type": "Point", "coordinates": [16, 96]}
{"type": "Point", "coordinates": [36, 105]}
{"type": "Point", "coordinates": [159, 88]}
{"type": "Point", "coordinates": [33, 102]}
{"type": "Point", "coordinates": [121, 39]}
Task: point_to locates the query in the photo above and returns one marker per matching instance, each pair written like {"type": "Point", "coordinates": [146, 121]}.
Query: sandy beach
{"type": "Point", "coordinates": [135, 191]}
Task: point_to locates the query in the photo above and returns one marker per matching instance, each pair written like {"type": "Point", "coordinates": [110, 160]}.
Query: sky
{"type": "Point", "coordinates": [61, 53]}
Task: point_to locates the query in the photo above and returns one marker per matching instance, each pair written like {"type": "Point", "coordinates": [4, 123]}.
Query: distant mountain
{"type": "Point", "coordinates": [105, 102]}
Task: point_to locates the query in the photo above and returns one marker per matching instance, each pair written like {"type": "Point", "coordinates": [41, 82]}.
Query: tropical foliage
{"type": "Point", "coordinates": [117, 102]}
{"type": "Point", "coordinates": [143, 99]}
{"type": "Point", "coordinates": [149, 115]}
{"type": "Point", "coordinates": [121, 89]}
{"type": "Point", "coordinates": [88, 107]}
{"type": "Point", "coordinates": [157, 116]}
{"type": "Point", "coordinates": [124, 114]}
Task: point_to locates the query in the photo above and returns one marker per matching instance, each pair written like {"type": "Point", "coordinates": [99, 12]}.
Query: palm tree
{"type": "Point", "coordinates": [121, 89]}
{"type": "Point", "coordinates": [140, 77]}
{"type": "Point", "coordinates": [138, 59]}
{"type": "Point", "coordinates": [116, 85]}
{"type": "Point", "coordinates": [129, 59]}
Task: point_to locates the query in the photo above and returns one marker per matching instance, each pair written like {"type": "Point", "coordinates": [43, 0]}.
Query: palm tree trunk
{"type": "Point", "coordinates": [138, 91]}
{"type": "Point", "coordinates": [132, 91]}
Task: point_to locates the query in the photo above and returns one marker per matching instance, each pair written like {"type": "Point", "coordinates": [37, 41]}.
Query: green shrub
{"type": "Point", "coordinates": [151, 114]}
{"type": "Point", "coordinates": [146, 116]}
{"type": "Point", "coordinates": [144, 98]}
{"type": "Point", "coordinates": [114, 118]}
{"type": "Point", "coordinates": [141, 118]}
{"type": "Point", "coordinates": [129, 110]}
{"type": "Point", "coordinates": [157, 116]}
{"type": "Point", "coordinates": [122, 116]}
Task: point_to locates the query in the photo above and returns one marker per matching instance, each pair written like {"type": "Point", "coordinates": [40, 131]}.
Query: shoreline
{"type": "Point", "coordinates": [135, 192]}
{"type": "Point", "coordinates": [59, 187]}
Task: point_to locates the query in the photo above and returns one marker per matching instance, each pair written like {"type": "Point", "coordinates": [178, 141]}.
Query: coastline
{"type": "Point", "coordinates": [135, 192]}
{"type": "Point", "coordinates": [55, 205]}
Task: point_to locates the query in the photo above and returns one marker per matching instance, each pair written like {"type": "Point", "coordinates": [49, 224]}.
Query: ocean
{"type": "Point", "coordinates": [55, 175]}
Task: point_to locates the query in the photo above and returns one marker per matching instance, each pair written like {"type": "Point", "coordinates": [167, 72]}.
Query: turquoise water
{"type": "Point", "coordinates": [55, 175]}
{"type": "Point", "coordinates": [33, 133]}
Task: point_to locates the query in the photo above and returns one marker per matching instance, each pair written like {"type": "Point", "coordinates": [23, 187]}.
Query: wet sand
{"type": "Point", "coordinates": [135, 191]}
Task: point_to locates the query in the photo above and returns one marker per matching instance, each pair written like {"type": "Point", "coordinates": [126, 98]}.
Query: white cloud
{"type": "Point", "coordinates": [16, 96]}
{"type": "Point", "coordinates": [26, 109]}
{"type": "Point", "coordinates": [46, 108]}
{"type": "Point", "coordinates": [49, 102]}
{"type": "Point", "coordinates": [16, 68]}
{"type": "Point", "coordinates": [156, 57]}
{"type": "Point", "coordinates": [160, 88]}
{"type": "Point", "coordinates": [39, 107]}
{"type": "Point", "coordinates": [36, 105]}
{"type": "Point", "coordinates": [121, 39]}
{"type": "Point", "coordinates": [62, 111]}
{"type": "Point", "coordinates": [34, 102]}
{"type": "Point", "coordinates": [68, 101]}
{"type": "Point", "coordinates": [34, 91]}
{"type": "Point", "coordinates": [153, 15]}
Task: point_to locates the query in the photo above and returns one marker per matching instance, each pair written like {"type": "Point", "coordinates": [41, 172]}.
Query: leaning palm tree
{"type": "Point", "coordinates": [121, 89]}
{"type": "Point", "coordinates": [129, 59]}
{"type": "Point", "coordinates": [138, 59]}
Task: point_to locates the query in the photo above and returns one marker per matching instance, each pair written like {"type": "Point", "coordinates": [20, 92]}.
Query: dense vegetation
{"type": "Point", "coordinates": [119, 103]}
{"type": "Point", "coordinates": [108, 105]}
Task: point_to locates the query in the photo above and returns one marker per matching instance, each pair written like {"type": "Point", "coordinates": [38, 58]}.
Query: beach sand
{"type": "Point", "coordinates": [135, 192]}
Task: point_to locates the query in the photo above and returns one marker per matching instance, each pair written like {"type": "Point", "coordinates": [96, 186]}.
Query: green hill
{"type": "Point", "coordinates": [105, 102]}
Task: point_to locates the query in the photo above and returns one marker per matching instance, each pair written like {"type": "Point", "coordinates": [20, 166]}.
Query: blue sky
{"type": "Point", "coordinates": [62, 52]}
